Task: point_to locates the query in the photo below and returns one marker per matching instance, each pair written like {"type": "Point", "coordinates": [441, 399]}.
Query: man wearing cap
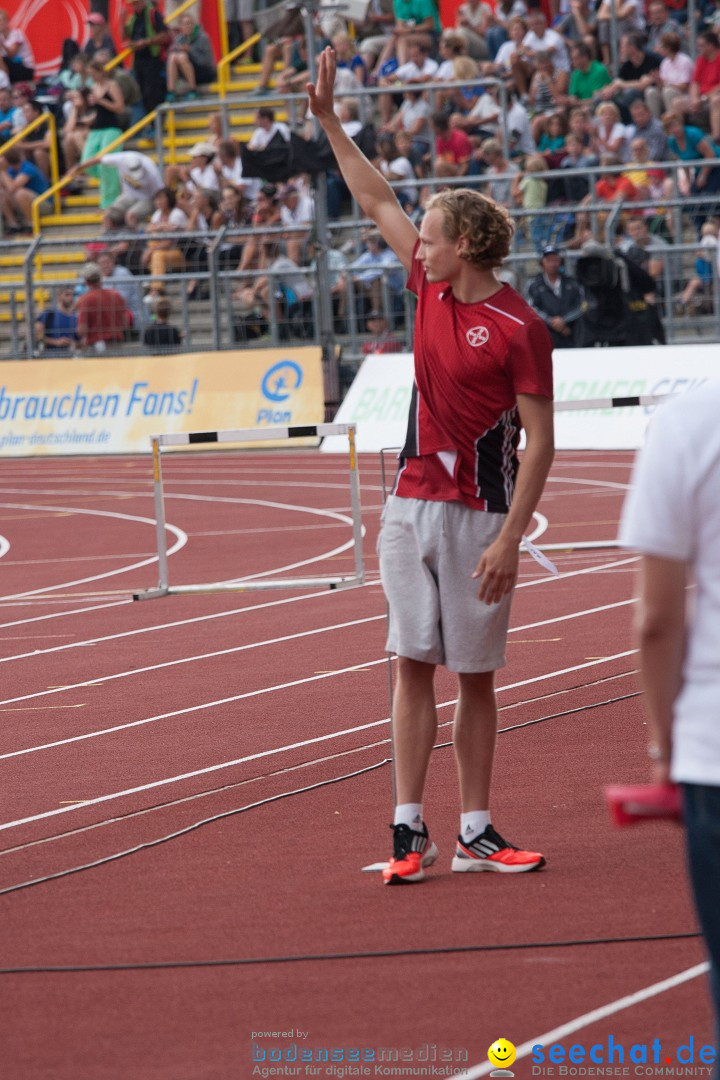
{"type": "Point", "coordinates": [102, 314]}
{"type": "Point", "coordinates": [140, 179]}
{"type": "Point", "coordinates": [148, 36]}
{"type": "Point", "coordinates": [381, 338]}
{"type": "Point", "coordinates": [557, 299]}
{"type": "Point", "coordinates": [100, 37]}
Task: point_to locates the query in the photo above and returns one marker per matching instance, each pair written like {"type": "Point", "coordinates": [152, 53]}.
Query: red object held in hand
{"type": "Point", "coordinates": [630, 803]}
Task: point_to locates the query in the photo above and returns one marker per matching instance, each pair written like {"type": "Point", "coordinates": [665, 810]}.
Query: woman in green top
{"type": "Point", "coordinates": [415, 20]}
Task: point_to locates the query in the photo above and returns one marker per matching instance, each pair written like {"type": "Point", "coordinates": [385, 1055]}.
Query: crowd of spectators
{"type": "Point", "coordinates": [534, 102]}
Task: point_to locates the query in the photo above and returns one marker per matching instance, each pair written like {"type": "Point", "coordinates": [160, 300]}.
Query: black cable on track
{"type": "Point", "coordinates": [379, 954]}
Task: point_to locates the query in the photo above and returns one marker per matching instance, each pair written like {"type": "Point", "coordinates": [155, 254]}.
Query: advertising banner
{"type": "Point", "coordinates": [113, 406]}
{"type": "Point", "coordinates": [46, 23]}
{"type": "Point", "coordinates": [379, 397]}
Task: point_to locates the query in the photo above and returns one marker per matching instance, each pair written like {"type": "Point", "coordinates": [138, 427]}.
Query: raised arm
{"type": "Point", "coordinates": [368, 186]}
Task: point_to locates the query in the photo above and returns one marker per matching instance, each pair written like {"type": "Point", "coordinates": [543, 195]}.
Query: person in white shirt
{"type": "Point", "coordinates": [540, 38]}
{"type": "Point", "coordinates": [473, 19]}
{"type": "Point", "coordinates": [672, 516]}
{"type": "Point", "coordinates": [420, 68]}
{"type": "Point", "coordinates": [266, 129]}
{"type": "Point", "coordinates": [296, 208]}
{"type": "Point", "coordinates": [16, 55]}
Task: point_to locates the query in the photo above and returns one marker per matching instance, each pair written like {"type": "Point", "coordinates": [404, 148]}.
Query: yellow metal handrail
{"type": "Point", "coordinates": [49, 119]}
{"type": "Point", "coordinates": [66, 179]}
{"type": "Point", "coordinates": [224, 64]}
{"type": "Point", "coordinates": [128, 52]}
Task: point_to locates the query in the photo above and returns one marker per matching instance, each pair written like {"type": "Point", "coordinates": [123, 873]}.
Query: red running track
{"type": "Point", "coordinates": [214, 768]}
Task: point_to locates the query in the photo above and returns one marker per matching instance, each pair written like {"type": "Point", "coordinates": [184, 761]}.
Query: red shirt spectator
{"type": "Point", "coordinates": [455, 147]}
{"type": "Point", "coordinates": [707, 74]}
{"type": "Point", "coordinates": [102, 314]}
{"type": "Point", "coordinates": [615, 186]}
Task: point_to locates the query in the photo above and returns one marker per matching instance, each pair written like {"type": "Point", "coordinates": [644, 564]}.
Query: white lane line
{"type": "Point", "coordinates": [61, 614]}
{"type": "Point", "coordinates": [180, 541]}
{"type": "Point", "coordinates": [592, 1017]}
{"type": "Point", "coordinates": [263, 753]}
{"type": "Point", "coordinates": [541, 580]}
{"type": "Point", "coordinates": [101, 679]}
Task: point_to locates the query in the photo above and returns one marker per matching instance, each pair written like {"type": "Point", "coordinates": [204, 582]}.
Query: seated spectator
{"type": "Point", "coordinates": [377, 266]}
{"type": "Point", "coordinates": [614, 186]}
{"type": "Point", "coordinates": [415, 21]}
{"type": "Point", "coordinates": [676, 70]}
{"type": "Point", "coordinates": [453, 147]}
{"type": "Point", "coordinates": [382, 339]}
{"type": "Point", "coordinates": [576, 157]}
{"type": "Point", "coordinates": [199, 175]}
{"type": "Point", "coordinates": [123, 242]}
{"type": "Point", "coordinates": [235, 213]}
{"type": "Point", "coordinates": [266, 129]}
{"type": "Point", "coordinates": [21, 94]}
{"type": "Point", "coordinates": [697, 296]}
{"type": "Point", "coordinates": [512, 63]}
{"type": "Point", "coordinates": [283, 285]}
{"type": "Point", "coordinates": [629, 19]}
{"type": "Point", "coordinates": [74, 77]}
{"type": "Point", "coordinates": [483, 119]}
{"type": "Point", "coordinates": [497, 165]}
{"type": "Point", "coordinates": [689, 143]}
{"type": "Point", "coordinates": [452, 46]}
{"type": "Point", "coordinates": [190, 58]}
{"type": "Point", "coordinates": [100, 37]}
{"type": "Point", "coordinates": [267, 215]}
{"type": "Point", "coordinates": [557, 299]}
{"type": "Point", "coordinates": [374, 33]}
{"type": "Point", "coordinates": [160, 336]}
{"type": "Point", "coordinates": [588, 76]}
{"type": "Point", "coordinates": [6, 114]}
{"type": "Point", "coordinates": [413, 117]}
{"type": "Point", "coordinates": [347, 57]}
{"type": "Point", "coordinates": [102, 314]}
{"type": "Point", "coordinates": [580, 124]}
{"type": "Point", "coordinates": [337, 271]}
{"type": "Point", "coordinates": [551, 140]}
{"type": "Point", "coordinates": [296, 208]}
{"type": "Point", "coordinates": [541, 39]}
{"type": "Point", "coordinates": [705, 85]}
{"type": "Point", "coordinates": [56, 328]}
{"type": "Point", "coordinates": [648, 182]}
{"type": "Point", "coordinates": [638, 77]}
{"type": "Point", "coordinates": [548, 90]}
{"type": "Point", "coordinates": [163, 253]}
{"type": "Point", "coordinates": [396, 166]}
{"type": "Point", "coordinates": [118, 277]}
{"type": "Point", "coordinates": [659, 23]}
{"type": "Point", "coordinates": [578, 23]}
{"type": "Point", "coordinates": [418, 68]}
{"type": "Point", "coordinates": [36, 144]}
{"type": "Point", "coordinates": [20, 183]}
{"type": "Point", "coordinates": [16, 56]}
{"type": "Point", "coordinates": [473, 19]}
{"type": "Point", "coordinates": [648, 250]}
{"type": "Point", "coordinates": [646, 126]}
{"type": "Point", "coordinates": [139, 179]}
{"type": "Point", "coordinates": [609, 134]}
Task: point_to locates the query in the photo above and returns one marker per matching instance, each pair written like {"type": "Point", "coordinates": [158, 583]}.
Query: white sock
{"type": "Point", "coordinates": [472, 824]}
{"type": "Point", "coordinates": [410, 814]}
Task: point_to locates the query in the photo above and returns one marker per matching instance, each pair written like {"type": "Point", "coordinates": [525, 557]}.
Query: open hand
{"type": "Point", "coordinates": [320, 93]}
{"type": "Point", "coordinates": [497, 570]}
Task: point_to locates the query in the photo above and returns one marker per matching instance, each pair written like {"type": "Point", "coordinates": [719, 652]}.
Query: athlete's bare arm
{"type": "Point", "coordinates": [367, 185]}
{"type": "Point", "coordinates": [498, 567]}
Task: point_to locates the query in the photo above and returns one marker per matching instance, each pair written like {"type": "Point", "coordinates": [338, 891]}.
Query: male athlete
{"type": "Point", "coordinates": [452, 527]}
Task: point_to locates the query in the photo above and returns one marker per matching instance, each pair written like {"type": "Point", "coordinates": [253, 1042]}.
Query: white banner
{"type": "Point", "coordinates": [379, 397]}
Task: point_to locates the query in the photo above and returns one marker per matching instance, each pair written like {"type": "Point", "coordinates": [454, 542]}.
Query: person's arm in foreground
{"type": "Point", "coordinates": [661, 629]}
{"type": "Point", "coordinates": [374, 195]}
{"type": "Point", "coordinates": [498, 568]}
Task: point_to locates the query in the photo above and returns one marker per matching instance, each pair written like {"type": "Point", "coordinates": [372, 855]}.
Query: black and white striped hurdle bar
{"type": "Point", "coordinates": [611, 402]}
{"type": "Point", "coordinates": [300, 431]}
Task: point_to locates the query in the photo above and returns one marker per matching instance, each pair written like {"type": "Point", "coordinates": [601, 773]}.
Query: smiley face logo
{"type": "Point", "coordinates": [501, 1054]}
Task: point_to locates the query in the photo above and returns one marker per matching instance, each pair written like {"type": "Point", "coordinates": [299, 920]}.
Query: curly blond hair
{"type": "Point", "coordinates": [485, 224]}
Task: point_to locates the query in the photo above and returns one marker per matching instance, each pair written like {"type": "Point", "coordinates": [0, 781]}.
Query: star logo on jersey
{"type": "Point", "coordinates": [477, 335]}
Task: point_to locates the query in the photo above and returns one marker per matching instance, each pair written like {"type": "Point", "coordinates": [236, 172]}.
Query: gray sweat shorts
{"type": "Point", "coordinates": [428, 552]}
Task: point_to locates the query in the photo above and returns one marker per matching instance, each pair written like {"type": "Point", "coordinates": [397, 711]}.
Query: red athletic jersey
{"type": "Point", "coordinates": [471, 362]}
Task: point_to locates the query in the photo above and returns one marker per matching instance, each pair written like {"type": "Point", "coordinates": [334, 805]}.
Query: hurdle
{"type": "Point", "coordinates": [253, 435]}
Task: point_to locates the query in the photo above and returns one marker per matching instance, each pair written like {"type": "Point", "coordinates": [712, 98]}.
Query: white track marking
{"type": "Point", "coordinates": [249, 757]}
{"type": "Point", "coordinates": [62, 614]}
{"type": "Point", "coordinates": [627, 1002]}
{"type": "Point", "coordinates": [4, 546]}
{"type": "Point", "coordinates": [180, 541]}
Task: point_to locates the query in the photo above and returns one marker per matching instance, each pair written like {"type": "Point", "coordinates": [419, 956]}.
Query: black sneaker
{"type": "Point", "coordinates": [489, 851]}
{"type": "Point", "coordinates": [412, 852]}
